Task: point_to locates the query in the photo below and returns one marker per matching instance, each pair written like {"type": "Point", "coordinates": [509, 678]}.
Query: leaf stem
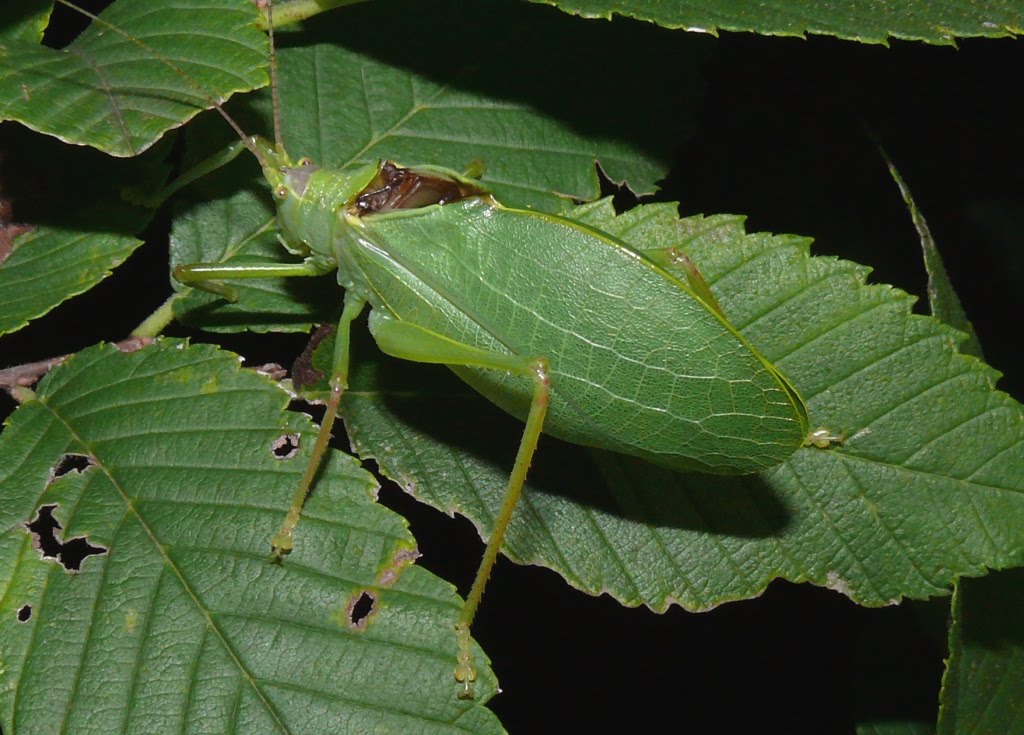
{"type": "Point", "coordinates": [155, 323]}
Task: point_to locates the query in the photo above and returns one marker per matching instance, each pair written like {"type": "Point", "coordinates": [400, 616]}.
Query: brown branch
{"type": "Point", "coordinates": [25, 376]}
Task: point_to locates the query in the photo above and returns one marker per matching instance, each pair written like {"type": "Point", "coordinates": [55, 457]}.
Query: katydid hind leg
{"type": "Point", "coordinates": [282, 542]}
{"type": "Point", "coordinates": [410, 342]}
{"type": "Point", "coordinates": [537, 369]}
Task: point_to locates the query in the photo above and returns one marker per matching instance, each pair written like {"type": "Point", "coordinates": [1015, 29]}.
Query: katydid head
{"type": "Point", "coordinates": [312, 202]}
{"type": "Point", "coordinates": [278, 167]}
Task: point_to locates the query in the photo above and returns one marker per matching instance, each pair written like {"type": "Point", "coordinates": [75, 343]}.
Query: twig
{"type": "Point", "coordinates": [26, 375]}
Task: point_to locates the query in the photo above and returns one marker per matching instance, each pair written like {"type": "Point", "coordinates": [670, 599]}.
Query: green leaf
{"type": "Point", "coordinates": [942, 298]}
{"type": "Point", "coordinates": [928, 484]}
{"type": "Point", "coordinates": [79, 228]}
{"type": "Point", "coordinates": [181, 623]}
{"type": "Point", "coordinates": [874, 21]}
{"type": "Point", "coordinates": [109, 92]}
{"type": "Point", "coordinates": [48, 266]}
{"type": "Point", "coordinates": [25, 21]}
{"type": "Point", "coordinates": [447, 94]}
{"type": "Point", "coordinates": [983, 686]}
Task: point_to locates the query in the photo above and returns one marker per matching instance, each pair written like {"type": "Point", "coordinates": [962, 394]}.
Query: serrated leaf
{"type": "Point", "coordinates": [983, 687]}
{"type": "Point", "coordinates": [48, 266]}
{"type": "Point", "coordinates": [928, 484]}
{"type": "Point", "coordinates": [942, 297]}
{"type": "Point", "coordinates": [458, 88]}
{"type": "Point", "coordinates": [77, 226]}
{"type": "Point", "coordinates": [182, 624]}
{"type": "Point", "coordinates": [873, 21]}
{"type": "Point", "coordinates": [106, 91]}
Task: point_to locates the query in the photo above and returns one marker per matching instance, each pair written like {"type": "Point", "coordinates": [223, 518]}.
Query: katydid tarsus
{"type": "Point", "coordinates": [561, 325]}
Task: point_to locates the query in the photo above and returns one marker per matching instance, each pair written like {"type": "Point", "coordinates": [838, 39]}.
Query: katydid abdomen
{"type": "Point", "coordinates": [638, 364]}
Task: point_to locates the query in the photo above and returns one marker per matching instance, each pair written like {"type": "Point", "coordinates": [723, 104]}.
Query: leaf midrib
{"type": "Point", "coordinates": [169, 563]}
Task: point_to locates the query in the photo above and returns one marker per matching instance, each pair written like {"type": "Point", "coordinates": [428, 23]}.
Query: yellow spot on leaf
{"type": "Point", "coordinates": [131, 620]}
{"type": "Point", "coordinates": [211, 385]}
{"type": "Point", "coordinates": [340, 617]}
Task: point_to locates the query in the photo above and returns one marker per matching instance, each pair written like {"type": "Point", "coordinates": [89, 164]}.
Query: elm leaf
{"type": "Point", "coordinates": [172, 465]}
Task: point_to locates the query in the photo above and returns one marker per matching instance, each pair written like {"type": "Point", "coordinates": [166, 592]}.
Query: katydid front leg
{"type": "Point", "coordinates": [207, 276]}
{"type": "Point", "coordinates": [410, 342]}
{"type": "Point", "coordinates": [282, 543]}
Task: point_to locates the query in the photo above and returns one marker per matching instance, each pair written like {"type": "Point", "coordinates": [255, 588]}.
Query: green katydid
{"type": "Point", "coordinates": [561, 325]}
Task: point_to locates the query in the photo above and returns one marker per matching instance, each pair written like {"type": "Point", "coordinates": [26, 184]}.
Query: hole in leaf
{"type": "Point", "coordinates": [71, 463]}
{"type": "Point", "coordinates": [285, 446]}
{"type": "Point", "coordinates": [24, 613]}
{"type": "Point", "coordinates": [70, 553]}
{"type": "Point", "coordinates": [361, 609]}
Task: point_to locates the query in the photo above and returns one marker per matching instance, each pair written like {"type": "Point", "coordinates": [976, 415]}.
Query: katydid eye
{"type": "Point", "coordinates": [305, 161]}
{"type": "Point", "coordinates": [281, 192]}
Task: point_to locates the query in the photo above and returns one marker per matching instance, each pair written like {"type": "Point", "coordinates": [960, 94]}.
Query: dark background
{"type": "Point", "coordinates": [781, 139]}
